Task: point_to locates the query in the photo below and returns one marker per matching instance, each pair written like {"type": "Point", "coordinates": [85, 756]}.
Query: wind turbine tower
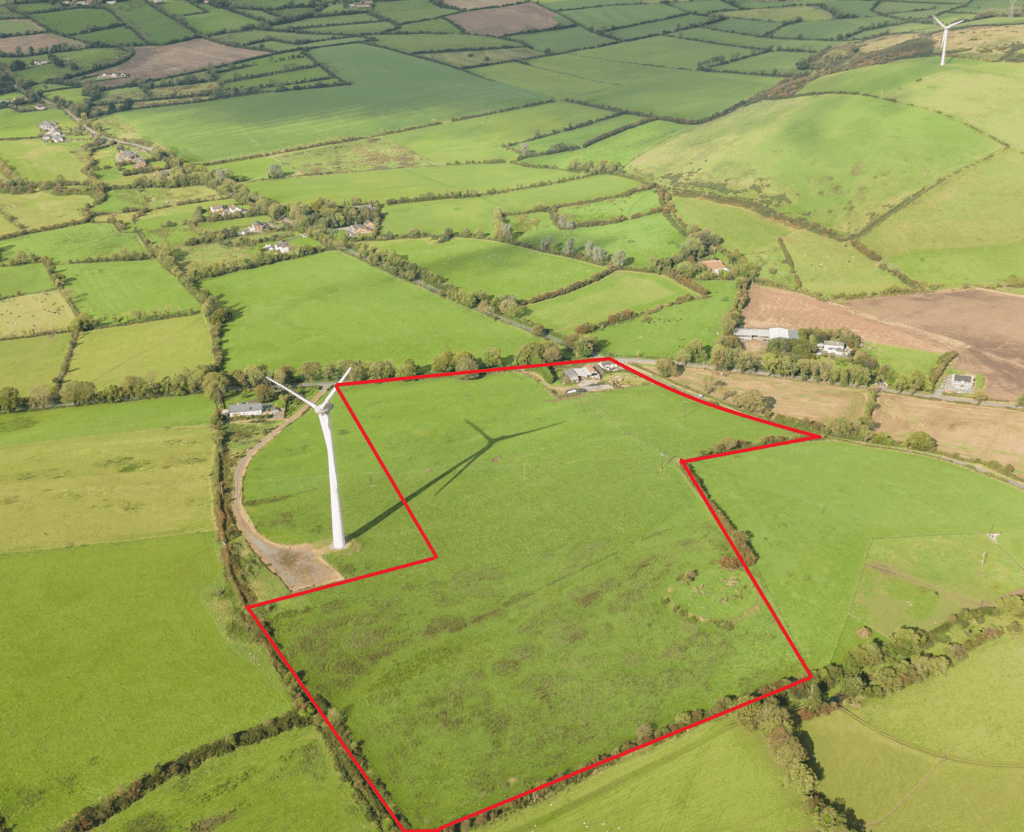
{"type": "Point", "coordinates": [323, 412]}
{"type": "Point", "coordinates": [945, 34]}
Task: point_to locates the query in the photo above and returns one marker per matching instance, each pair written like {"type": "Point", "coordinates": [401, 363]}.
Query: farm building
{"type": "Point", "coordinates": [958, 383]}
{"type": "Point", "coordinates": [607, 366]}
{"type": "Point", "coordinates": [833, 348]}
{"type": "Point", "coordinates": [578, 374]}
{"type": "Point", "coordinates": [243, 409]}
{"type": "Point", "coordinates": [226, 210]}
{"type": "Point", "coordinates": [125, 155]}
{"type": "Point", "coordinates": [766, 334]}
{"type": "Point", "coordinates": [367, 227]}
{"type": "Point", "coordinates": [280, 246]}
{"type": "Point", "coordinates": [715, 266]}
{"type": "Point", "coordinates": [257, 227]}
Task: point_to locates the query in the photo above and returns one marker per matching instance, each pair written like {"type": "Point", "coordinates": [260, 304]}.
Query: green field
{"type": "Point", "coordinates": [154, 26]}
{"type": "Point", "coordinates": [741, 150]}
{"type": "Point", "coordinates": [153, 349]}
{"type": "Point", "coordinates": [433, 217]}
{"type": "Point", "coordinates": [562, 40]}
{"type": "Point", "coordinates": [340, 308]}
{"type": "Point", "coordinates": [922, 82]}
{"type": "Point", "coordinates": [576, 137]}
{"type": "Point", "coordinates": [833, 268]}
{"type": "Point", "coordinates": [133, 624]}
{"type": "Point", "coordinates": [213, 21]}
{"type": "Point", "coordinates": [610, 209]}
{"type": "Point", "coordinates": [528, 628]}
{"type": "Point", "coordinates": [34, 210]}
{"type": "Point", "coordinates": [73, 21]}
{"type": "Point", "coordinates": [641, 239]}
{"type": "Point", "coordinates": [286, 782]}
{"type": "Point", "coordinates": [75, 242]}
{"type": "Point", "coordinates": [387, 91]}
{"type": "Point", "coordinates": [812, 555]}
{"type": "Point", "coordinates": [594, 303]}
{"type": "Point", "coordinates": [24, 279]}
{"type": "Point", "coordinates": [26, 125]}
{"type": "Point", "coordinates": [674, 787]}
{"type": "Point", "coordinates": [496, 268]}
{"type": "Point", "coordinates": [36, 161]}
{"type": "Point", "coordinates": [26, 362]}
{"type": "Point", "coordinates": [622, 147]}
{"type": "Point", "coordinates": [37, 312]}
{"type": "Point", "coordinates": [932, 221]}
{"type": "Point", "coordinates": [112, 290]}
{"type": "Point", "coordinates": [389, 184]}
{"type": "Point", "coordinates": [988, 265]}
{"type": "Point", "coordinates": [671, 329]}
{"type": "Point", "coordinates": [769, 63]}
{"type": "Point", "coordinates": [664, 51]}
{"type": "Point", "coordinates": [610, 17]}
{"type": "Point", "coordinates": [902, 359]}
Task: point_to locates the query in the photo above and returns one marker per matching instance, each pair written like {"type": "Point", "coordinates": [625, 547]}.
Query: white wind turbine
{"type": "Point", "coordinates": [945, 34]}
{"type": "Point", "coordinates": [323, 411]}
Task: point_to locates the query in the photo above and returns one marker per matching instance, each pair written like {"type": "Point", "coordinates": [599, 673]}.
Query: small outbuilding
{"type": "Point", "coordinates": [246, 409]}
{"type": "Point", "coordinates": [715, 266]}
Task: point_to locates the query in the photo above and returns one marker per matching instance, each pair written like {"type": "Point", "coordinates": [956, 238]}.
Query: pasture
{"type": "Point", "coordinates": [823, 176]}
{"type": "Point", "coordinates": [610, 209]}
{"type": "Point", "coordinates": [671, 329]}
{"type": "Point", "coordinates": [73, 21]}
{"type": "Point", "coordinates": [641, 239]}
{"type": "Point", "coordinates": [381, 185]}
{"type": "Point", "coordinates": [286, 781]}
{"type": "Point", "coordinates": [26, 362]}
{"type": "Point", "coordinates": [111, 291]}
{"type": "Point", "coordinates": [155, 27]}
{"type": "Point", "coordinates": [577, 136]}
{"type": "Point", "coordinates": [675, 786]}
{"type": "Point", "coordinates": [494, 267]}
{"type": "Point", "coordinates": [341, 308]}
{"type": "Point", "coordinates": [15, 125]}
{"type": "Point", "coordinates": [75, 242]}
{"type": "Point", "coordinates": [132, 624]}
{"type": "Point", "coordinates": [433, 217]}
{"type": "Point", "coordinates": [387, 91]}
{"type": "Point", "coordinates": [38, 161]}
{"type": "Point", "coordinates": [601, 673]}
{"type": "Point", "coordinates": [834, 268]}
{"type": "Point", "coordinates": [812, 556]}
{"type": "Point", "coordinates": [563, 40]}
{"type": "Point", "coordinates": [40, 208]}
{"type": "Point", "coordinates": [672, 53]}
{"type": "Point", "coordinates": [24, 280]}
{"type": "Point", "coordinates": [154, 349]}
{"type": "Point", "coordinates": [622, 147]}
{"type": "Point", "coordinates": [593, 303]}
{"type": "Point", "coordinates": [989, 265]}
{"type": "Point", "coordinates": [343, 157]}
{"type": "Point", "coordinates": [37, 312]}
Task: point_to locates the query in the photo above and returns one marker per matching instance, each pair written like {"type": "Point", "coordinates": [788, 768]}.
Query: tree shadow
{"type": "Point", "coordinates": [452, 473]}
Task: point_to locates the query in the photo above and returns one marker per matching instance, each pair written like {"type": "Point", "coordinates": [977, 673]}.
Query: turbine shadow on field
{"type": "Point", "coordinates": [455, 471]}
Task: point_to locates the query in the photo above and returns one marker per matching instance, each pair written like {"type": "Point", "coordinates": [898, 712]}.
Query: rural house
{"type": "Point", "coordinates": [607, 366]}
{"type": "Point", "coordinates": [243, 409]}
{"type": "Point", "coordinates": [280, 246]}
{"type": "Point", "coordinates": [766, 334]}
{"type": "Point", "coordinates": [958, 383]}
{"type": "Point", "coordinates": [367, 227]}
{"type": "Point", "coordinates": [226, 210]}
{"type": "Point", "coordinates": [833, 348]}
{"type": "Point", "coordinates": [715, 266]}
{"type": "Point", "coordinates": [256, 227]}
{"type": "Point", "coordinates": [125, 155]}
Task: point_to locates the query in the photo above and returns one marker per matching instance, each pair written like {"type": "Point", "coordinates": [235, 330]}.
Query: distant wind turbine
{"type": "Point", "coordinates": [945, 34]}
{"type": "Point", "coordinates": [323, 411]}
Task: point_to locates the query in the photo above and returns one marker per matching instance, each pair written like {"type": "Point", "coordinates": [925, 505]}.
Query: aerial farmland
{"type": "Point", "coordinates": [523, 416]}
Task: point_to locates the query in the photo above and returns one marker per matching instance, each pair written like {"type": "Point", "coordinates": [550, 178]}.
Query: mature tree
{"type": "Point", "coordinates": [708, 385]}
{"type": "Point", "coordinates": [78, 392]}
{"type": "Point", "coordinates": [539, 330]}
{"type": "Point", "coordinates": [266, 392]}
{"type": "Point", "coordinates": [619, 258]}
{"type": "Point", "coordinates": [381, 369]}
{"type": "Point", "coordinates": [666, 367]}
{"type": "Point", "coordinates": [586, 346]}
{"type": "Point", "coordinates": [443, 363]}
{"type": "Point", "coordinates": [408, 368]}
{"type": "Point", "coordinates": [552, 353]}
{"type": "Point", "coordinates": [842, 427]}
{"type": "Point", "coordinates": [11, 400]}
{"type": "Point", "coordinates": [312, 371]}
{"type": "Point", "coordinates": [275, 172]}
{"type": "Point", "coordinates": [921, 441]}
{"type": "Point", "coordinates": [569, 248]}
{"type": "Point", "coordinates": [492, 357]}
{"type": "Point", "coordinates": [532, 352]}
{"type": "Point", "coordinates": [466, 363]}
{"type": "Point", "coordinates": [215, 385]}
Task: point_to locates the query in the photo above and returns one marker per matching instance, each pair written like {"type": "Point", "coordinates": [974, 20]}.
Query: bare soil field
{"type": "Point", "coordinates": [478, 4]}
{"type": "Point", "coordinates": [188, 56]}
{"type": "Point", "coordinates": [799, 399]}
{"type": "Point", "coordinates": [519, 18]}
{"type": "Point", "coordinates": [984, 432]}
{"type": "Point", "coordinates": [988, 325]}
{"type": "Point", "coordinates": [40, 42]}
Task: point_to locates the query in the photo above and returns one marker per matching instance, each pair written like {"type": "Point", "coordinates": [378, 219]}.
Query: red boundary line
{"type": "Point", "coordinates": [805, 436]}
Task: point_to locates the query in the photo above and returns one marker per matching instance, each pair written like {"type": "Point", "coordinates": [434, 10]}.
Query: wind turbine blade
{"type": "Point", "coordinates": [300, 398]}
{"type": "Point", "coordinates": [955, 24]}
{"type": "Point", "coordinates": [334, 387]}
{"type": "Point", "coordinates": [943, 25]}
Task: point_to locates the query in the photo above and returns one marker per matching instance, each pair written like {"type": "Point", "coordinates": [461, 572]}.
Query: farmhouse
{"type": "Point", "coordinates": [112, 75]}
{"type": "Point", "coordinates": [766, 334]}
{"type": "Point", "coordinates": [607, 366]}
{"type": "Point", "coordinates": [40, 63]}
{"type": "Point", "coordinates": [51, 132]}
{"type": "Point", "coordinates": [715, 266]}
{"type": "Point", "coordinates": [244, 409]}
{"type": "Point", "coordinates": [280, 246]}
{"type": "Point", "coordinates": [125, 155]}
{"type": "Point", "coordinates": [367, 227]}
{"type": "Point", "coordinates": [226, 210]}
{"type": "Point", "coordinates": [833, 348]}
{"type": "Point", "coordinates": [960, 383]}
{"type": "Point", "coordinates": [256, 227]}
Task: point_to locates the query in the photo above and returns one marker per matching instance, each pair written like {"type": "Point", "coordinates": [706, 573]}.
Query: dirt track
{"type": "Point", "coordinates": [300, 567]}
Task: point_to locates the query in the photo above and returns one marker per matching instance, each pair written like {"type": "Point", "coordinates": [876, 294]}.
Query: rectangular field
{"type": "Point", "coordinates": [594, 303]}
{"type": "Point", "coordinates": [36, 160]}
{"type": "Point", "coordinates": [75, 242]}
{"type": "Point", "coordinates": [154, 26]}
{"type": "Point", "coordinates": [26, 362]}
{"type": "Point", "coordinates": [578, 649]}
{"type": "Point", "coordinates": [494, 267]}
{"type": "Point", "coordinates": [37, 312]}
{"type": "Point", "coordinates": [24, 279]}
{"type": "Point", "coordinates": [112, 290]}
{"type": "Point", "coordinates": [152, 350]}
{"type": "Point", "coordinates": [43, 209]}
{"type": "Point", "coordinates": [673, 328]}
{"type": "Point", "coordinates": [641, 239]}
{"type": "Point", "coordinates": [340, 309]}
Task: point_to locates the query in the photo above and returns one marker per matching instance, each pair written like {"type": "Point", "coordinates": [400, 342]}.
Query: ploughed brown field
{"type": "Point", "coordinates": [505, 21]}
{"type": "Point", "coordinates": [988, 433]}
{"type": "Point", "coordinates": [799, 399]}
{"type": "Point", "coordinates": [989, 325]}
{"type": "Point", "coordinates": [188, 56]}
{"type": "Point", "coordinates": [40, 43]}
{"type": "Point", "coordinates": [983, 326]}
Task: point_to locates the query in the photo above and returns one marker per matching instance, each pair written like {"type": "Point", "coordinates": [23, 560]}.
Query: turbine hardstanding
{"type": "Point", "coordinates": [323, 412]}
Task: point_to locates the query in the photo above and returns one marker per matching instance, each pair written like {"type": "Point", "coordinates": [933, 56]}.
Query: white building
{"type": "Point", "coordinates": [833, 348]}
{"type": "Point", "coordinates": [960, 383]}
{"type": "Point", "coordinates": [766, 334]}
